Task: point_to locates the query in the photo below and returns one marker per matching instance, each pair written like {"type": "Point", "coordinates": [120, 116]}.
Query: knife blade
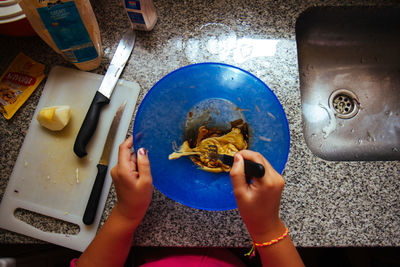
{"type": "Point", "coordinates": [102, 166]}
{"type": "Point", "coordinates": [103, 94]}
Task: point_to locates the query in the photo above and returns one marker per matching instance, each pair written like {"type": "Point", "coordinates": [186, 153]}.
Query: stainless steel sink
{"type": "Point", "coordinates": [349, 64]}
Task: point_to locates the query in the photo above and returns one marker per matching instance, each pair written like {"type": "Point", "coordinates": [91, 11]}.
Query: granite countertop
{"type": "Point", "coordinates": [324, 203]}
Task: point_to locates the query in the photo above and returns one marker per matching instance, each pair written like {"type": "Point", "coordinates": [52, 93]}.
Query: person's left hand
{"type": "Point", "coordinates": [133, 182]}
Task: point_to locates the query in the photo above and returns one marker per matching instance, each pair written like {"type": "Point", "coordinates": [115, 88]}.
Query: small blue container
{"type": "Point", "coordinates": [163, 114]}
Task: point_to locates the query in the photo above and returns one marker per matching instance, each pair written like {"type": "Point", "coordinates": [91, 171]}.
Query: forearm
{"type": "Point", "coordinates": [282, 253]}
{"type": "Point", "coordinates": [111, 245]}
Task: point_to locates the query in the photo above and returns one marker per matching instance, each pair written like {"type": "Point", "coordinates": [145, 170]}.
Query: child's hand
{"type": "Point", "coordinates": [133, 182]}
{"type": "Point", "coordinates": [258, 202]}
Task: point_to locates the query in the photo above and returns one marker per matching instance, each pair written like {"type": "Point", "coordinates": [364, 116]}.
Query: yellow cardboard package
{"type": "Point", "coordinates": [18, 82]}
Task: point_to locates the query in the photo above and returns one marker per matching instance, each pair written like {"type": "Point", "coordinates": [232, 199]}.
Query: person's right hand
{"type": "Point", "coordinates": [133, 182]}
{"type": "Point", "coordinates": [258, 202]}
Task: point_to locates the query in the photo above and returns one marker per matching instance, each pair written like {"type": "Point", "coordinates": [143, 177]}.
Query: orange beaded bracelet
{"type": "Point", "coordinates": [252, 252]}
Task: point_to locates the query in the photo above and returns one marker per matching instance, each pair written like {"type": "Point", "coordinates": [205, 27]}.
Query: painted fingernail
{"type": "Point", "coordinates": [236, 158]}
{"type": "Point", "coordinates": [142, 151]}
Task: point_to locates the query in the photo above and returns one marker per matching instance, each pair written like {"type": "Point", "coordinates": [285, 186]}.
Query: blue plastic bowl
{"type": "Point", "coordinates": [160, 122]}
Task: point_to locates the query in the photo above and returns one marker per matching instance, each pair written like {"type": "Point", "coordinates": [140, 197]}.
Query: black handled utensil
{"type": "Point", "coordinates": [93, 202]}
{"type": "Point", "coordinates": [103, 94]}
{"type": "Point", "coordinates": [251, 168]}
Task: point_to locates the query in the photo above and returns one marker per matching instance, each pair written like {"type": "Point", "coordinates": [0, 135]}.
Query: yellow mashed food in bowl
{"type": "Point", "coordinates": [227, 144]}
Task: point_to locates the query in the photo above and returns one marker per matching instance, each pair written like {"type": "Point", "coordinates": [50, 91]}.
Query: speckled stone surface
{"type": "Point", "coordinates": [324, 203]}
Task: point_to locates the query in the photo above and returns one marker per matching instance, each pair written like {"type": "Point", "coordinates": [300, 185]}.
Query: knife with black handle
{"type": "Point", "coordinates": [102, 167]}
{"type": "Point", "coordinates": [251, 168]}
{"type": "Point", "coordinates": [103, 94]}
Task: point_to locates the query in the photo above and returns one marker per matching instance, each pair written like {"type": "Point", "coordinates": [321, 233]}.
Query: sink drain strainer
{"type": "Point", "coordinates": [344, 103]}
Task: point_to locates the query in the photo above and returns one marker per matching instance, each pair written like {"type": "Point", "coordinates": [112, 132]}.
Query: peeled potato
{"type": "Point", "coordinates": [54, 118]}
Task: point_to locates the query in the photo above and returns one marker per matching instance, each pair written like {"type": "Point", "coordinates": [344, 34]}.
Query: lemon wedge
{"type": "Point", "coordinates": [54, 118]}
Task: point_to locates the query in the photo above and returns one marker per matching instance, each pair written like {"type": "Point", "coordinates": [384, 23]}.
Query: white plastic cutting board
{"type": "Point", "coordinates": [48, 178]}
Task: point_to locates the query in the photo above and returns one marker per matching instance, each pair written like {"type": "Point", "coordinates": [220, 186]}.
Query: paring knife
{"type": "Point", "coordinates": [103, 94]}
{"type": "Point", "coordinates": [91, 207]}
{"type": "Point", "coordinates": [251, 168]}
